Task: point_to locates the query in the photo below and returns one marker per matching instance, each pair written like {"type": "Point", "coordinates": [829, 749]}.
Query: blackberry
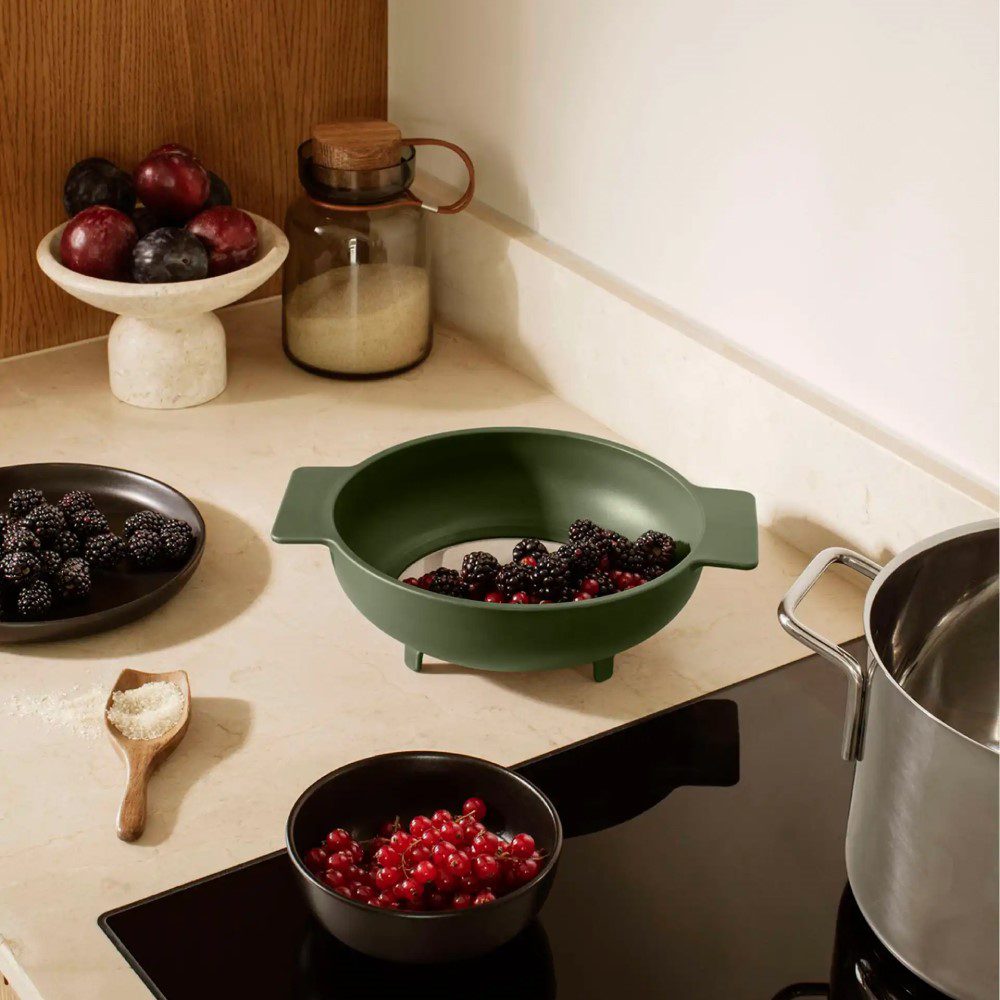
{"type": "Point", "coordinates": [46, 521]}
{"type": "Point", "coordinates": [175, 544]}
{"type": "Point", "coordinates": [176, 524]}
{"type": "Point", "coordinates": [88, 521]}
{"type": "Point", "coordinates": [20, 539]}
{"type": "Point", "coordinates": [6, 521]}
{"type": "Point", "coordinates": [513, 578]}
{"type": "Point", "coordinates": [479, 570]}
{"type": "Point", "coordinates": [635, 559]}
{"type": "Point", "coordinates": [605, 584]}
{"type": "Point", "coordinates": [582, 528]}
{"type": "Point", "coordinates": [660, 548]}
{"type": "Point", "coordinates": [529, 547]}
{"type": "Point", "coordinates": [67, 544]}
{"type": "Point", "coordinates": [104, 551]}
{"type": "Point", "coordinates": [582, 557]}
{"type": "Point", "coordinates": [73, 579]}
{"type": "Point", "coordinates": [144, 520]}
{"type": "Point", "coordinates": [550, 578]}
{"type": "Point", "coordinates": [35, 600]}
{"type": "Point", "coordinates": [76, 500]}
{"type": "Point", "coordinates": [610, 544]}
{"type": "Point", "coordinates": [50, 560]}
{"type": "Point", "coordinates": [144, 547]}
{"type": "Point", "coordinates": [21, 501]}
{"type": "Point", "coordinates": [18, 569]}
{"type": "Point", "coordinates": [448, 582]}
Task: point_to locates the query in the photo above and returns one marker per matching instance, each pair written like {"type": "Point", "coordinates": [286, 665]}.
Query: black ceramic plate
{"type": "Point", "coordinates": [126, 594]}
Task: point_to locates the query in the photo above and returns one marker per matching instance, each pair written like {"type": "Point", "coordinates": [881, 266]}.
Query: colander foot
{"type": "Point", "coordinates": [413, 658]}
{"type": "Point", "coordinates": [603, 669]}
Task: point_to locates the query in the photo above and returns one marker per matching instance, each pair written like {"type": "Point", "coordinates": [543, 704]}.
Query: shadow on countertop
{"type": "Point", "coordinates": [218, 728]}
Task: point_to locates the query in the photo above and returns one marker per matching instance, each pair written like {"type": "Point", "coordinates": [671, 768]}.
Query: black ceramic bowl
{"type": "Point", "coordinates": [123, 595]}
{"type": "Point", "coordinates": [361, 796]}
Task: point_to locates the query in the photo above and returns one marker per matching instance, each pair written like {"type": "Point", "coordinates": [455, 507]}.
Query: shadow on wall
{"type": "Point", "coordinates": [233, 573]}
{"type": "Point", "coordinates": [811, 537]}
{"type": "Point", "coordinates": [495, 320]}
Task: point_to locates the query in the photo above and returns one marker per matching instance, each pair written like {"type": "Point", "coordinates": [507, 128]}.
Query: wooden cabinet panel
{"type": "Point", "coordinates": [240, 81]}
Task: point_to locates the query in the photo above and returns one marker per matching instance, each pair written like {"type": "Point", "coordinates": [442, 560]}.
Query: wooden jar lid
{"type": "Point", "coordinates": [356, 144]}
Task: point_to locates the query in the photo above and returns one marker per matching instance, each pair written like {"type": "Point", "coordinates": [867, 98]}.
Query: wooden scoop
{"type": "Point", "coordinates": [142, 757]}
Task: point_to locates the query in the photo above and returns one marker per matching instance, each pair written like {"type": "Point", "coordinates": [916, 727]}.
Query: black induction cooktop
{"type": "Point", "coordinates": [703, 861]}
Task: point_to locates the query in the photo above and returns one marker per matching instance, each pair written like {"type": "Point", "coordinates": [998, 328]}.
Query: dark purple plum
{"type": "Point", "coordinates": [145, 221]}
{"type": "Point", "coordinates": [166, 255]}
{"type": "Point", "coordinates": [218, 192]}
{"type": "Point", "coordinates": [96, 181]}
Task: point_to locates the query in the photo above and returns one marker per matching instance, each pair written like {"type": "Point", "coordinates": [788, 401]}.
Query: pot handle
{"type": "Point", "coordinates": [854, 722]}
{"type": "Point", "coordinates": [306, 512]}
{"type": "Point", "coordinates": [730, 538]}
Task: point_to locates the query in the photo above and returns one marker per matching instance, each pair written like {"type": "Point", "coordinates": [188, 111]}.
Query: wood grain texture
{"type": "Point", "coordinates": [240, 81]}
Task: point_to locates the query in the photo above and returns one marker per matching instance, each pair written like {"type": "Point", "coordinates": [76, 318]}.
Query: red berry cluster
{"type": "Point", "coordinates": [438, 862]}
{"type": "Point", "coordinates": [595, 562]}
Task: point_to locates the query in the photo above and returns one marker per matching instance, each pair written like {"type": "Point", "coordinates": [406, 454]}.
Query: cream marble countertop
{"type": "Point", "coordinates": [288, 680]}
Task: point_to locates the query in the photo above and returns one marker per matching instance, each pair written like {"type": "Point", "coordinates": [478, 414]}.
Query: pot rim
{"type": "Point", "coordinates": [976, 527]}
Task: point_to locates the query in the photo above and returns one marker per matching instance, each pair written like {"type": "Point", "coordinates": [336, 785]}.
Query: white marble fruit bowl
{"type": "Point", "coordinates": [167, 349]}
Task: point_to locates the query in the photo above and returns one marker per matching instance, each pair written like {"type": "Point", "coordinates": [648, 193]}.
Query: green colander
{"type": "Point", "coordinates": [381, 516]}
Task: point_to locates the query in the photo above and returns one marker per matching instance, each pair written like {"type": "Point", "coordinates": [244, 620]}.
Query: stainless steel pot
{"type": "Point", "coordinates": [922, 837]}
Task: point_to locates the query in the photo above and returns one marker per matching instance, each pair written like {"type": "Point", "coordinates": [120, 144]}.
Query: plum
{"type": "Point", "coordinates": [218, 192]}
{"type": "Point", "coordinates": [169, 255]}
{"type": "Point", "coordinates": [173, 185]}
{"type": "Point", "coordinates": [145, 221]}
{"type": "Point", "coordinates": [229, 235]}
{"type": "Point", "coordinates": [98, 242]}
{"type": "Point", "coordinates": [173, 147]}
{"type": "Point", "coordinates": [96, 181]}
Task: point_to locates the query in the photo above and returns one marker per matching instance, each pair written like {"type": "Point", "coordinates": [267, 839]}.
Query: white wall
{"type": "Point", "coordinates": [814, 180]}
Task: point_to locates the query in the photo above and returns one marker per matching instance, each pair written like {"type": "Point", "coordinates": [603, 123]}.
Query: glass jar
{"type": "Point", "coordinates": [356, 301]}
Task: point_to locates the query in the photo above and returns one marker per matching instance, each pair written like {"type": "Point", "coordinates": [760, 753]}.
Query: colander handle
{"type": "Point", "coordinates": [730, 538]}
{"type": "Point", "coordinates": [306, 513]}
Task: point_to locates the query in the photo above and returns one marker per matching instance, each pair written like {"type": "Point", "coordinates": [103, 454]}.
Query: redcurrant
{"type": "Point", "coordinates": [338, 840]}
{"type": "Point", "coordinates": [316, 859]}
{"type": "Point", "coordinates": [445, 881]}
{"type": "Point", "coordinates": [418, 824]}
{"type": "Point", "coordinates": [333, 878]}
{"type": "Point", "coordinates": [399, 840]}
{"type": "Point", "coordinates": [458, 863]}
{"type": "Point", "coordinates": [387, 857]}
{"type": "Point", "coordinates": [526, 870]}
{"type": "Point", "coordinates": [474, 807]}
{"type": "Point", "coordinates": [424, 872]}
{"type": "Point", "coordinates": [409, 889]}
{"type": "Point", "coordinates": [386, 878]}
{"type": "Point", "coordinates": [486, 843]}
{"type": "Point", "coordinates": [522, 846]}
{"type": "Point", "coordinates": [486, 867]}
{"type": "Point", "coordinates": [442, 851]}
